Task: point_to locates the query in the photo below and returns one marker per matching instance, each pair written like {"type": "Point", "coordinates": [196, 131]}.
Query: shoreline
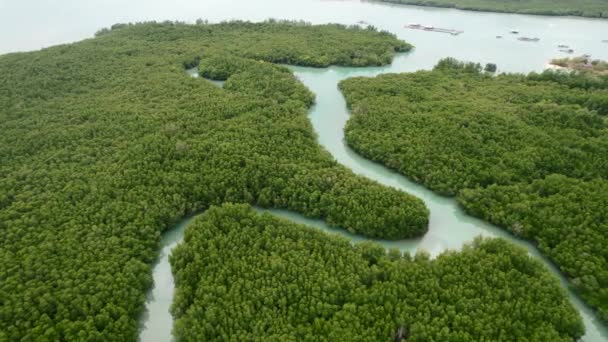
{"type": "Point", "coordinates": [496, 10]}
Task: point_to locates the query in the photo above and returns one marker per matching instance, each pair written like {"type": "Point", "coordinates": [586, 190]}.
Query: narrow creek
{"type": "Point", "coordinates": [449, 226]}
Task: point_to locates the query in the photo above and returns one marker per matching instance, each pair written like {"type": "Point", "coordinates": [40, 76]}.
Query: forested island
{"type": "Point", "coordinates": [248, 277]}
{"type": "Point", "coordinates": [581, 8]}
{"type": "Point", "coordinates": [108, 142]}
{"type": "Point", "coordinates": [526, 152]}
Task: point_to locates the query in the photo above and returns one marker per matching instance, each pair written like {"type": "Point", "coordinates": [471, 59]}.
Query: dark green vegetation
{"type": "Point", "coordinates": [529, 153]}
{"type": "Point", "coordinates": [490, 67]}
{"type": "Point", "coordinates": [568, 219]}
{"type": "Point", "coordinates": [107, 142]}
{"type": "Point", "coordinates": [582, 8]}
{"type": "Point", "coordinates": [576, 80]}
{"type": "Point", "coordinates": [247, 277]}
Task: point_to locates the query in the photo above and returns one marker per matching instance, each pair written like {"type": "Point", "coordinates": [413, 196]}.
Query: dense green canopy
{"type": "Point", "coordinates": [567, 217]}
{"type": "Point", "coordinates": [107, 142]}
{"type": "Point", "coordinates": [243, 276]}
{"type": "Point", "coordinates": [582, 8]}
{"type": "Point", "coordinates": [529, 153]}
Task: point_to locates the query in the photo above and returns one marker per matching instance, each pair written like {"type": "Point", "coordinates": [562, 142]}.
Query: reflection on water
{"type": "Point", "coordinates": [157, 322]}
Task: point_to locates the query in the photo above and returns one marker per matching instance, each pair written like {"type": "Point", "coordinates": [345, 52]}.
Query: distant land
{"type": "Point", "coordinates": [582, 64]}
{"type": "Point", "coordinates": [585, 8]}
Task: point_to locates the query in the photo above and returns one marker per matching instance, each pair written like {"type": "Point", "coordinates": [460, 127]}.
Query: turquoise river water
{"type": "Point", "coordinates": [449, 226]}
{"type": "Point", "coordinates": [31, 24]}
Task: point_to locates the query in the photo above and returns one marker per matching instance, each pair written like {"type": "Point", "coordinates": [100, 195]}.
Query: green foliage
{"type": "Point", "coordinates": [582, 8]}
{"type": "Point", "coordinates": [256, 78]}
{"type": "Point", "coordinates": [107, 142]}
{"type": "Point", "coordinates": [572, 79]}
{"type": "Point", "coordinates": [453, 129]}
{"type": "Point", "coordinates": [490, 67]}
{"type": "Point", "coordinates": [496, 141]}
{"type": "Point", "coordinates": [249, 277]}
{"type": "Point", "coordinates": [453, 65]}
{"type": "Point", "coordinates": [566, 217]}
{"type": "Point", "coordinates": [307, 45]}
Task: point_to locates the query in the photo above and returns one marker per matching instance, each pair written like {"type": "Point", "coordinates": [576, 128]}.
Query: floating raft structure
{"type": "Point", "coordinates": [528, 39]}
{"type": "Point", "coordinates": [433, 29]}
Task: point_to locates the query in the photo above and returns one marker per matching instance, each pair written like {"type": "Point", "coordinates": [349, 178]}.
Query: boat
{"type": "Point", "coordinates": [515, 32]}
{"type": "Point", "coordinates": [605, 41]}
{"type": "Point", "coordinates": [498, 37]}
{"type": "Point", "coordinates": [362, 22]}
{"type": "Point", "coordinates": [528, 39]}
{"type": "Point", "coordinates": [563, 46]}
{"type": "Point", "coordinates": [433, 29]}
{"type": "Point", "coordinates": [567, 50]}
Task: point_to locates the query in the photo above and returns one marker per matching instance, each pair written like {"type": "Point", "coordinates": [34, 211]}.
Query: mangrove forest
{"type": "Point", "coordinates": [526, 152]}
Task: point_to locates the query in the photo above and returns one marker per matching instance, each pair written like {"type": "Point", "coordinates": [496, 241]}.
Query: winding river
{"type": "Point", "coordinates": [449, 226]}
{"type": "Point", "coordinates": [36, 24]}
{"type": "Point", "coordinates": [33, 24]}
